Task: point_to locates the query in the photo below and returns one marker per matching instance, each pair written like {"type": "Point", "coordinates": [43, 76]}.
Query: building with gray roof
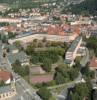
{"type": "Point", "coordinates": [72, 51]}
{"type": "Point", "coordinates": [21, 56]}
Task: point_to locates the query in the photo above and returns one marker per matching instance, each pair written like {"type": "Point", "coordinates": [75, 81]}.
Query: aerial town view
{"type": "Point", "coordinates": [48, 49]}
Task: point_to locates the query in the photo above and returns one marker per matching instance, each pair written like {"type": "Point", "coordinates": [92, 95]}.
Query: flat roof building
{"type": "Point", "coordinates": [72, 51]}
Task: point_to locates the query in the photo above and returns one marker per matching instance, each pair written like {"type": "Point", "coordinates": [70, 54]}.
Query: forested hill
{"type": "Point", "coordinates": [7, 1]}
{"type": "Point", "coordinates": [87, 6]}
{"type": "Point", "coordinates": [26, 3]}
{"type": "Point", "coordinates": [19, 3]}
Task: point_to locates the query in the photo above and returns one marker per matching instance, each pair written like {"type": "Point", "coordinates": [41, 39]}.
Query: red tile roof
{"type": "Point", "coordinates": [10, 28]}
{"type": "Point", "coordinates": [59, 29]}
{"type": "Point", "coordinates": [4, 75]}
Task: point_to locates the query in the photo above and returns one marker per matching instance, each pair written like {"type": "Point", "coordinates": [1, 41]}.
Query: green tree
{"type": "Point", "coordinates": [87, 73]}
{"type": "Point", "coordinates": [29, 49]}
{"type": "Point", "coordinates": [21, 70]}
{"type": "Point", "coordinates": [65, 74]}
{"type": "Point", "coordinates": [95, 95]}
{"type": "Point", "coordinates": [11, 35]}
{"type": "Point", "coordinates": [2, 83]}
{"type": "Point", "coordinates": [0, 37]}
{"type": "Point", "coordinates": [44, 93]}
{"type": "Point", "coordinates": [59, 78]}
{"type": "Point", "coordinates": [47, 65]}
{"type": "Point", "coordinates": [81, 91]}
{"type": "Point", "coordinates": [4, 39]}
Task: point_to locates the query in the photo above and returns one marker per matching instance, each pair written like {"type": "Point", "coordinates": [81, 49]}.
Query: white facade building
{"type": "Point", "coordinates": [72, 51]}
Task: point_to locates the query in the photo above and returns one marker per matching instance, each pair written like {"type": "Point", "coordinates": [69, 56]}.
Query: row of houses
{"type": "Point", "coordinates": [74, 50]}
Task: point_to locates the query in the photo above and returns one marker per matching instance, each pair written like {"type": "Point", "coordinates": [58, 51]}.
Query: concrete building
{"type": "Point", "coordinates": [30, 38]}
{"type": "Point", "coordinates": [10, 20]}
{"type": "Point", "coordinates": [72, 51]}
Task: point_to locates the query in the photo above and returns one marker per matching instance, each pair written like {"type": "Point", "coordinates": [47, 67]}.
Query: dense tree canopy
{"type": "Point", "coordinates": [87, 73]}
{"type": "Point", "coordinates": [44, 93]}
{"type": "Point", "coordinates": [65, 74]}
{"type": "Point", "coordinates": [95, 95]}
{"type": "Point", "coordinates": [81, 91]}
{"type": "Point", "coordinates": [40, 56]}
{"type": "Point", "coordinates": [86, 7]}
{"type": "Point", "coordinates": [21, 70]}
{"type": "Point", "coordinates": [92, 44]}
{"type": "Point", "coordinates": [47, 65]}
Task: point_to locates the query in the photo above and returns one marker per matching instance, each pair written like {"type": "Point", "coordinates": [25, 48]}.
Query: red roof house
{"type": "Point", "coordinates": [5, 76]}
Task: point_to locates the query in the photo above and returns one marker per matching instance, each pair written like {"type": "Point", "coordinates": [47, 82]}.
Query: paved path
{"type": "Point", "coordinates": [85, 59]}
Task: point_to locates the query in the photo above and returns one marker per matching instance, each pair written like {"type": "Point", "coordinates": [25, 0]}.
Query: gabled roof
{"type": "Point", "coordinates": [5, 75]}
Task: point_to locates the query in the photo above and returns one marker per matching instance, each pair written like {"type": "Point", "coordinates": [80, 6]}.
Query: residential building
{"type": "Point", "coordinates": [72, 51]}
{"type": "Point", "coordinates": [12, 49]}
{"type": "Point", "coordinates": [6, 77]}
{"type": "Point", "coordinates": [21, 56]}
{"type": "Point", "coordinates": [14, 54]}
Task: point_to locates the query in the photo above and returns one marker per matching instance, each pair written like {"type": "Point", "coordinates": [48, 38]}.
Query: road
{"type": "Point", "coordinates": [24, 90]}
{"type": "Point", "coordinates": [85, 58]}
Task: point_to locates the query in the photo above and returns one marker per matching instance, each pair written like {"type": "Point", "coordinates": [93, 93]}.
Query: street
{"type": "Point", "coordinates": [24, 90]}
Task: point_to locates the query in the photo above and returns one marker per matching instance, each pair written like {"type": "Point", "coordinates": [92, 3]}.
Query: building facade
{"type": "Point", "coordinates": [71, 53]}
